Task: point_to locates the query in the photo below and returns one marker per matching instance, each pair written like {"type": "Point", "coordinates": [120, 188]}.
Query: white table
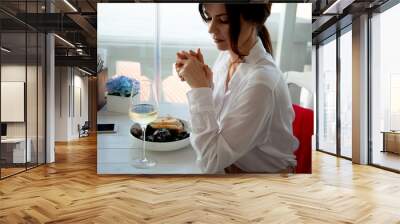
{"type": "Point", "coordinates": [115, 151]}
{"type": "Point", "coordinates": [19, 155]}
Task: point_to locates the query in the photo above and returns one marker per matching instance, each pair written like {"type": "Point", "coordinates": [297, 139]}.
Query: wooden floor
{"type": "Point", "coordinates": [5, 172]}
{"type": "Point", "coordinates": [387, 159]}
{"type": "Point", "coordinates": [70, 191]}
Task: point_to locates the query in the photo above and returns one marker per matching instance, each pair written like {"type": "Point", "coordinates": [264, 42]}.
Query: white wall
{"type": "Point", "coordinates": [69, 85]}
{"type": "Point", "coordinates": [79, 117]}
{"type": "Point", "coordinates": [61, 103]}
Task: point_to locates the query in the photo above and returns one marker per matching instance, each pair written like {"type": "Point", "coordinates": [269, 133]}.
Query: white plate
{"type": "Point", "coordinates": [166, 146]}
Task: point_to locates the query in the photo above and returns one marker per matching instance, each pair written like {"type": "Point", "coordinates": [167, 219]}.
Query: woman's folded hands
{"type": "Point", "coordinates": [191, 68]}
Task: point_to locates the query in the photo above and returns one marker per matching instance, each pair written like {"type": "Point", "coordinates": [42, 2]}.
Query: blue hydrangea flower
{"type": "Point", "coordinates": [122, 86]}
{"type": "Point", "coordinates": [135, 86]}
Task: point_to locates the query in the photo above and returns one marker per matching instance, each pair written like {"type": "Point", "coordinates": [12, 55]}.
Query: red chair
{"type": "Point", "coordinates": [303, 126]}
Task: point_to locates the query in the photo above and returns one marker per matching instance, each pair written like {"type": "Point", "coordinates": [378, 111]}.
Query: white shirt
{"type": "Point", "coordinates": [249, 125]}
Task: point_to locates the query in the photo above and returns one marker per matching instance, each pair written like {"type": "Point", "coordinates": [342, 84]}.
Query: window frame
{"type": "Point", "coordinates": [334, 37]}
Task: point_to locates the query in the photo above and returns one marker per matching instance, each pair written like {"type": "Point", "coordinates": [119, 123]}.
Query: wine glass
{"type": "Point", "coordinates": [143, 110]}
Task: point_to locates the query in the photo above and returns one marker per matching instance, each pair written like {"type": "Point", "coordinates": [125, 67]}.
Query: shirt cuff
{"type": "Point", "coordinates": [200, 99]}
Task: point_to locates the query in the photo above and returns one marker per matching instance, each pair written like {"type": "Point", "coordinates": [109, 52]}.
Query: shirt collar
{"type": "Point", "coordinates": [257, 53]}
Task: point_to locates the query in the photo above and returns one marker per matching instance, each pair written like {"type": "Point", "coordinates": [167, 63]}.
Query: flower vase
{"type": "Point", "coordinates": [119, 104]}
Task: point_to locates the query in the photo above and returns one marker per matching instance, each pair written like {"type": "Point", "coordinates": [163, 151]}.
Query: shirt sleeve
{"type": "Point", "coordinates": [219, 145]}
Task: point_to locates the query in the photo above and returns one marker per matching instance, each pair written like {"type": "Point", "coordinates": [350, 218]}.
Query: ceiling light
{"type": "Point", "coordinates": [65, 41]}
{"type": "Point", "coordinates": [337, 7]}
{"type": "Point", "coordinates": [70, 5]}
{"type": "Point", "coordinates": [332, 9]}
{"type": "Point", "coordinates": [86, 72]}
{"type": "Point", "coordinates": [79, 51]}
{"type": "Point", "coordinates": [5, 50]}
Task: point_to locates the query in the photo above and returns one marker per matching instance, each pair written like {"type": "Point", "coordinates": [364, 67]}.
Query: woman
{"type": "Point", "coordinates": [241, 113]}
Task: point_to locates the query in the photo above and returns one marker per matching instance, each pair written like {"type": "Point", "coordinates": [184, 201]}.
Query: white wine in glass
{"type": "Point", "coordinates": [144, 110]}
{"type": "Point", "coordinates": [143, 113]}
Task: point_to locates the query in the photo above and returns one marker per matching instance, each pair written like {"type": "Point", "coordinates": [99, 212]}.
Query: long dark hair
{"type": "Point", "coordinates": [254, 13]}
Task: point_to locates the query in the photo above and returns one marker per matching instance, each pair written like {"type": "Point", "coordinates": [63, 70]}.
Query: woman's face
{"type": "Point", "coordinates": [218, 26]}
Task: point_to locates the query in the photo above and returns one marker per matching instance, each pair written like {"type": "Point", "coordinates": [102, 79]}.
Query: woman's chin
{"type": "Point", "coordinates": [222, 47]}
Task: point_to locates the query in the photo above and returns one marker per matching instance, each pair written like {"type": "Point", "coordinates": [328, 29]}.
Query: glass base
{"type": "Point", "coordinates": [143, 163]}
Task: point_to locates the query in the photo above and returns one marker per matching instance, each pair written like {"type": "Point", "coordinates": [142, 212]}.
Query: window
{"type": "Point", "coordinates": [327, 96]}
{"type": "Point", "coordinates": [346, 94]}
{"type": "Point", "coordinates": [394, 101]}
{"type": "Point", "coordinates": [303, 12]}
{"type": "Point", "coordinates": [127, 33]}
{"type": "Point", "coordinates": [181, 28]}
{"type": "Point", "coordinates": [385, 87]}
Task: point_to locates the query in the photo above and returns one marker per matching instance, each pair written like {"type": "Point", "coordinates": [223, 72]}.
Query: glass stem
{"type": "Point", "coordinates": [144, 142]}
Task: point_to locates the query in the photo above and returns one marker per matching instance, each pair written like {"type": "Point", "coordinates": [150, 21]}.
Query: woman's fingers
{"type": "Point", "coordinates": [208, 71]}
{"type": "Point", "coordinates": [209, 74]}
{"type": "Point", "coordinates": [184, 58]}
{"type": "Point", "coordinates": [180, 65]}
{"type": "Point", "coordinates": [181, 59]}
{"type": "Point", "coordinates": [192, 53]}
{"type": "Point", "coordinates": [179, 75]}
{"type": "Point", "coordinates": [200, 55]}
{"type": "Point", "coordinates": [181, 54]}
{"type": "Point", "coordinates": [178, 68]}
{"type": "Point", "coordinates": [197, 54]}
{"type": "Point", "coordinates": [186, 55]}
{"type": "Point", "coordinates": [180, 62]}
{"type": "Point", "coordinates": [178, 56]}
